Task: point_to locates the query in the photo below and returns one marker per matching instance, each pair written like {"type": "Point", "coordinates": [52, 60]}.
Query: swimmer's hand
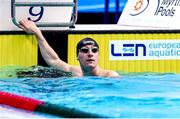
{"type": "Point", "coordinates": [29, 27]}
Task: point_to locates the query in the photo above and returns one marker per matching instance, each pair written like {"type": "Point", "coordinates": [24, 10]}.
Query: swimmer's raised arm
{"type": "Point", "coordinates": [49, 55]}
{"type": "Point", "coordinates": [87, 51]}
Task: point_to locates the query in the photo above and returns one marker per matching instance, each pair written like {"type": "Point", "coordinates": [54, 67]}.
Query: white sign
{"type": "Point", "coordinates": [39, 14]}
{"type": "Point", "coordinates": [144, 49]}
{"type": "Point", "coordinates": [151, 13]}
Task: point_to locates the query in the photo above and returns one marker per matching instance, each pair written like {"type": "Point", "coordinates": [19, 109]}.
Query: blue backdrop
{"type": "Point", "coordinates": [99, 5]}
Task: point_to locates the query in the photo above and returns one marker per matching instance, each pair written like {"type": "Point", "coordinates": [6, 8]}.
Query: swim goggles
{"type": "Point", "coordinates": [86, 50]}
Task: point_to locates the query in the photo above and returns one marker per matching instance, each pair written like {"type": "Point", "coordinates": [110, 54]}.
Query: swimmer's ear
{"type": "Point", "coordinates": [77, 57]}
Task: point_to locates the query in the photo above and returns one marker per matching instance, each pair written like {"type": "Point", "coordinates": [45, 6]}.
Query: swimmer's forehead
{"type": "Point", "coordinates": [89, 46]}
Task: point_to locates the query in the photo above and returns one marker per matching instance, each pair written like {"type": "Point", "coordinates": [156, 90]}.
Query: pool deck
{"type": "Point", "coordinates": [14, 113]}
{"type": "Point", "coordinates": [104, 27]}
{"type": "Point", "coordinates": [94, 27]}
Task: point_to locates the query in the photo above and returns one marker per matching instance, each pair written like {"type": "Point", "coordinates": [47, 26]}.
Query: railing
{"type": "Point", "coordinates": [106, 13]}
{"type": "Point", "coordinates": [70, 23]}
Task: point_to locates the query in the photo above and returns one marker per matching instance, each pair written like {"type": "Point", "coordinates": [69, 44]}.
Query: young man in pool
{"type": "Point", "coordinates": [87, 54]}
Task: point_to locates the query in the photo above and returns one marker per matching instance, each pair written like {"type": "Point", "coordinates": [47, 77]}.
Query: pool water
{"type": "Point", "coordinates": [130, 96]}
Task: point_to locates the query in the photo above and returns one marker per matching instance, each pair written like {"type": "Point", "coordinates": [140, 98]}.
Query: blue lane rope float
{"type": "Point", "coordinates": [34, 105]}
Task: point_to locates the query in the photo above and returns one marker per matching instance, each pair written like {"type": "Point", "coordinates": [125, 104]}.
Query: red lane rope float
{"type": "Point", "coordinates": [43, 107]}
{"type": "Point", "coordinates": [19, 101]}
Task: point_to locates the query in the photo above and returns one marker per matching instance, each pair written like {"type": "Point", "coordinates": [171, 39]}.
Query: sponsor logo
{"type": "Point", "coordinates": [144, 49]}
{"type": "Point", "coordinates": [129, 50]}
{"type": "Point", "coordinates": [139, 7]}
{"type": "Point", "coordinates": [164, 7]}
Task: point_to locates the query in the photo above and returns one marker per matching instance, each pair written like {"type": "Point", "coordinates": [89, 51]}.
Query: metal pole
{"type": "Point", "coordinates": [117, 11]}
{"type": "Point", "coordinates": [106, 12]}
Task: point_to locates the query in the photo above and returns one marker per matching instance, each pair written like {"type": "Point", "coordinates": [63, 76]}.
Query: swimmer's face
{"type": "Point", "coordinates": [88, 56]}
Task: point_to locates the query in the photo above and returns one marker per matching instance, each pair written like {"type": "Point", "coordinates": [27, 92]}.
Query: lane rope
{"type": "Point", "coordinates": [34, 105]}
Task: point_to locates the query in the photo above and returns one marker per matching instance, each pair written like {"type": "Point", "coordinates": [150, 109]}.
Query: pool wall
{"type": "Point", "coordinates": [120, 50]}
{"type": "Point", "coordinates": [138, 51]}
{"type": "Point", "coordinates": [16, 49]}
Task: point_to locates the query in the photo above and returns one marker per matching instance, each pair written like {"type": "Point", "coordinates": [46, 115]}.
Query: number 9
{"type": "Point", "coordinates": [40, 14]}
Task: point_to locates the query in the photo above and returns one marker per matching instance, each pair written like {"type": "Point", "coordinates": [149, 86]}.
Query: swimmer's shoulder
{"type": "Point", "coordinates": [76, 71]}
{"type": "Point", "coordinates": [113, 73]}
{"type": "Point", "coordinates": [109, 73]}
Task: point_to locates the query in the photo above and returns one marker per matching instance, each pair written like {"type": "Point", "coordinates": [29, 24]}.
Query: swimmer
{"type": "Point", "coordinates": [87, 54]}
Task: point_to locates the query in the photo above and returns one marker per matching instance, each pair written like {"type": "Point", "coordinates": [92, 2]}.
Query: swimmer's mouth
{"type": "Point", "coordinates": [90, 60]}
